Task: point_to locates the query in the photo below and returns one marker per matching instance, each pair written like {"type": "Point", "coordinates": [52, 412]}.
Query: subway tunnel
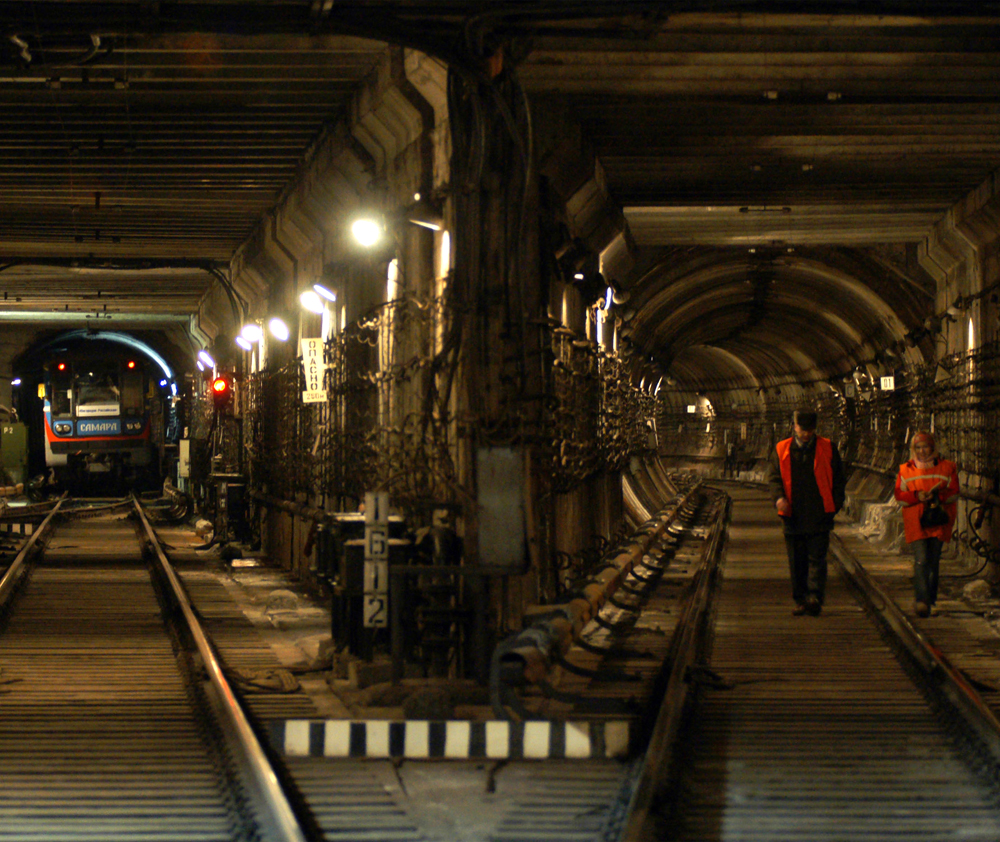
{"type": "Point", "coordinates": [714, 215]}
{"type": "Point", "coordinates": [614, 248]}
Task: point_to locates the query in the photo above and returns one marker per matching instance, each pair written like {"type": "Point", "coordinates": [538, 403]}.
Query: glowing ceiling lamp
{"type": "Point", "coordinates": [279, 330]}
{"type": "Point", "coordinates": [367, 231]}
{"type": "Point", "coordinates": [311, 301]}
{"type": "Point", "coordinates": [325, 292]}
{"type": "Point", "coordinates": [251, 332]}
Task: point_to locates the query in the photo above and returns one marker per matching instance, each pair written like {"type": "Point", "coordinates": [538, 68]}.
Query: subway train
{"type": "Point", "coordinates": [106, 415]}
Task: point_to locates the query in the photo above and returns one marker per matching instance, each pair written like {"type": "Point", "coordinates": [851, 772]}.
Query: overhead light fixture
{"type": "Point", "coordinates": [608, 298]}
{"type": "Point", "coordinates": [424, 214]}
{"type": "Point", "coordinates": [279, 330]}
{"type": "Point", "coordinates": [325, 292]}
{"type": "Point", "coordinates": [367, 231]}
{"type": "Point", "coordinates": [206, 358]}
{"type": "Point", "coordinates": [199, 364]}
{"type": "Point", "coordinates": [243, 343]}
{"type": "Point", "coordinates": [251, 332]}
{"type": "Point", "coordinates": [311, 301]}
{"type": "Point", "coordinates": [16, 381]}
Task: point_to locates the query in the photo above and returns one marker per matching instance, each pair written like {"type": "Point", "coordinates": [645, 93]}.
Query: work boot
{"type": "Point", "coordinates": [813, 605]}
{"type": "Point", "coordinates": [921, 609]}
{"type": "Point", "coordinates": [799, 609]}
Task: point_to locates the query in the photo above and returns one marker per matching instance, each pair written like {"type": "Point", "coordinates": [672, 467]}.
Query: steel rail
{"type": "Point", "coordinates": [17, 566]}
{"type": "Point", "coordinates": [278, 816]}
{"type": "Point", "coordinates": [940, 674]}
{"type": "Point", "coordinates": [685, 656]}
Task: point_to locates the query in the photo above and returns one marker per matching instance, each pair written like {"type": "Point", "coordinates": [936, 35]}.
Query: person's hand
{"type": "Point", "coordinates": [924, 496]}
{"type": "Point", "coordinates": [783, 506]}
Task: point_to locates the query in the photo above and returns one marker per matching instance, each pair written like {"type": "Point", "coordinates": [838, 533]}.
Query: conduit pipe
{"type": "Point", "coordinates": [300, 510]}
{"type": "Point", "coordinates": [527, 656]}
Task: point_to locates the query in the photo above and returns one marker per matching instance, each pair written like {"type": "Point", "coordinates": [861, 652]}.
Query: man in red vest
{"type": "Point", "coordinates": [807, 482]}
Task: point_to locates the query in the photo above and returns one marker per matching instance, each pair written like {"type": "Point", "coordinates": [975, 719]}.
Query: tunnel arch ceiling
{"type": "Point", "coordinates": [805, 314]}
{"type": "Point", "coordinates": [841, 134]}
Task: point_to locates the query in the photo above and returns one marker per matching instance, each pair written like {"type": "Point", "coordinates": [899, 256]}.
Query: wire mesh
{"type": "Point", "coordinates": [386, 423]}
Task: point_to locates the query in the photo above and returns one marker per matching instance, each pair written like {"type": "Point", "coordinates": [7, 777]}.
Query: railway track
{"type": "Point", "coordinates": [115, 719]}
{"type": "Point", "coordinates": [814, 728]}
{"type": "Point", "coordinates": [772, 726]}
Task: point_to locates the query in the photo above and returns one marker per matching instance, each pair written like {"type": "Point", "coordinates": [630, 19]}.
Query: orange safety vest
{"type": "Point", "coordinates": [822, 466]}
{"type": "Point", "coordinates": [912, 479]}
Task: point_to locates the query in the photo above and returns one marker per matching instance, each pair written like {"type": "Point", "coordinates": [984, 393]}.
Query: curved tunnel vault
{"type": "Point", "coordinates": [788, 317]}
{"type": "Point", "coordinates": [744, 335]}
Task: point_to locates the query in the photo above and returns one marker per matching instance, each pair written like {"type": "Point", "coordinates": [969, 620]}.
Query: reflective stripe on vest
{"type": "Point", "coordinates": [905, 481]}
{"type": "Point", "coordinates": [822, 467]}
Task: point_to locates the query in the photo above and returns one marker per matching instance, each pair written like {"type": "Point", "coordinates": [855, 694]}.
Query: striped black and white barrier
{"type": "Point", "coordinates": [456, 740]}
{"type": "Point", "coordinates": [16, 528]}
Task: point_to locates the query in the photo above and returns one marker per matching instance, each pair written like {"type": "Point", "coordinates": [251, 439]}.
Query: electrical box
{"type": "Point", "coordinates": [14, 451]}
{"type": "Point", "coordinates": [500, 490]}
{"type": "Point", "coordinates": [184, 459]}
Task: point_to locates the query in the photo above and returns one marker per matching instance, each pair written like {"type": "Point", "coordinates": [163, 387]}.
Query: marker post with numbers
{"type": "Point", "coordinates": [376, 574]}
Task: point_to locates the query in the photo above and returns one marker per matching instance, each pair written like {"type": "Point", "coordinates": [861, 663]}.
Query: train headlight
{"type": "Point", "coordinates": [62, 428]}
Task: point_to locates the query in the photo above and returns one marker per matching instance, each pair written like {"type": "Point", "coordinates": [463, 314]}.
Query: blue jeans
{"type": "Point", "coordinates": [807, 564]}
{"type": "Point", "coordinates": [926, 562]}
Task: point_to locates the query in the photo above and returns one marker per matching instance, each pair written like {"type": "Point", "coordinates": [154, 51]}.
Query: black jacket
{"type": "Point", "coordinates": [808, 513]}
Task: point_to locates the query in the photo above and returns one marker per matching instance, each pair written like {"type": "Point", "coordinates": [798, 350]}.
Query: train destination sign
{"type": "Point", "coordinates": [104, 427]}
{"type": "Point", "coordinates": [95, 410]}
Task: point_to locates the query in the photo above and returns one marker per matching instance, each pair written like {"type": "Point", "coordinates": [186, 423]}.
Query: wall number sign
{"type": "Point", "coordinates": [376, 573]}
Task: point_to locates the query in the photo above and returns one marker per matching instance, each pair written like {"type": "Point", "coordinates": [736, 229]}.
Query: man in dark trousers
{"type": "Point", "coordinates": [807, 482]}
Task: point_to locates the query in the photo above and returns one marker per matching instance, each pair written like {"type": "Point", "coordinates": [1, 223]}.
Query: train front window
{"type": "Point", "coordinates": [132, 392]}
{"type": "Point", "coordinates": [97, 386]}
{"type": "Point", "coordinates": [61, 386]}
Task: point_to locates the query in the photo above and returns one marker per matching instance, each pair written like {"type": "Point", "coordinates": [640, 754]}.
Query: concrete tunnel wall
{"type": "Point", "coordinates": [742, 334]}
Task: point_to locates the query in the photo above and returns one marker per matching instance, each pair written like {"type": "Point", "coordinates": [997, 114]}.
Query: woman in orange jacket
{"type": "Point", "coordinates": [923, 478]}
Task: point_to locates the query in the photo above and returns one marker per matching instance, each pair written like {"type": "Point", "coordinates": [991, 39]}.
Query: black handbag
{"type": "Point", "coordinates": [933, 514]}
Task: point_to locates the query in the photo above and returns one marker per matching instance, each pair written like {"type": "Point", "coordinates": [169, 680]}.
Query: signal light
{"type": "Point", "coordinates": [222, 391]}
{"type": "Point", "coordinates": [131, 363]}
{"type": "Point", "coordinates": [61, 366]}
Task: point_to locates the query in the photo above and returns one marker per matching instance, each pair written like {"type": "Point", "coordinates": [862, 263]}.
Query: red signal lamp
{"type": "Point", "coordinates": [222, 391]}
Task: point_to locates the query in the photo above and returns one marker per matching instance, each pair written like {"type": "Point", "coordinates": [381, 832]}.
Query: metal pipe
{"type": "Point", "coordinates": [298, 509]}
{"type": "Point", "coordinates": [527, 656]}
